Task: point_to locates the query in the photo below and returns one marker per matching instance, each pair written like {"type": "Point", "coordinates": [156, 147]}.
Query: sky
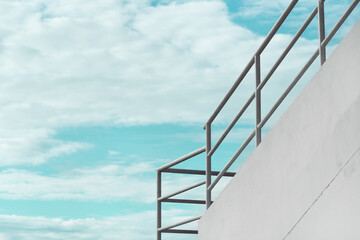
{"type": "Point", "coordinates": [95, 95]}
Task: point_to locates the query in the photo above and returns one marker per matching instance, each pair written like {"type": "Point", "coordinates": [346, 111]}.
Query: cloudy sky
{"type": "Point", "coordinates": [97, 94]}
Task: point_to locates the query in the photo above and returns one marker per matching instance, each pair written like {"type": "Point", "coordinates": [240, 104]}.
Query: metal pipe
{"type": "Point", "coordinates": [158, 205]}
{"type": "Point", "coordinates": [322, 48]}
{"type": "Point", "coordinates": [340, 22]}
{"type": "Point", "coordinates": [276, 26]}
{"type": "Point", "coordinates": [179, 223]}
{"type": "Point", "coordinates": [181, 231]}
{"type": "Point", "coordinates": [293, 83]}
{"type": "Point", "coordinates": [232, 124]}
{"type": "Point", "coordinates": [257, 99]}
{"type": "Point", "coordinates": [230, 92]}
{"type": "Point", "coordinates": [288, 48]}
{"type": "Point", "coordinates": [196, 172]}
{"type": "Point", "coordinates": [189, 201]}
{"type": "Point", "coordinates": [232, 160]}
{"type": "Point", "coordinates": [182, 190]}
{"type": "Point", "coordinates": [208, 165]}
{"type": "Point", "coordinates": [181, 159]}
{"type": "Point", "coordinates": [266, 41]}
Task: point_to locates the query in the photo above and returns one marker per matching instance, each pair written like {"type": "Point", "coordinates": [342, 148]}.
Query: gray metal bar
{"type": "Point", "coordinates": [322, 48]}
{"type": "Point", "coordinates": [257, 99]}
{"type": "Point", "coordinates": [208, 165]}
{"type": "Point", "coordinates": [189, 201]}
{"type": "Point", "coordinates": [158, 205]}
{"type": "Point", "coordinates": [340, 22]}
{"type": "Point", "coordinates": [231, 91]}
{"type": "Point", "coordinates": [181, 231]}
{"type": "Point", "coordinates": [232, 160]}
{"type": "Point", "coordinates": [178, 224]}
{"type": "Point", "coordinates": [196, 172]}
{"type": "Point", "coordinates": [232, 124]}
{"type": "Point", "coordinates": [289, 47]}
{"type": "Point", "coordinates": [183, 158]}
{"type": "Point", "coordinates": [276, 26]}
{"type": "Point", "coordinates": [182, 190]}
{"type": "Point", "coordinates": [266, 41]}
{"type": "Point", "coordinates": [293, 83]}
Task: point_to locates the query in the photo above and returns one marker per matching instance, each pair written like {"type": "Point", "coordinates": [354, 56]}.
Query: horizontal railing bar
{"type": "Point", "coordinates": [189, 201]}
{"type": "Point", "coordinates": [179, 223]}
{"type": "Point", "coordinates": [293, 83]}
{"type": "Point", "coordinates": [232, 160]}
{"type": "Point", "coordinates": [181, 231]}
{"type": "Point", "coordinates": [183, 158]}
{"type": "Point", "coordinates": [232, 124]}
{"type": "Point", "coordinates": [230, 92]}
{"type": "Point", "coordinates": [289, 47]}
{"type": "Point", "coordinates": [276, 26]}
{"type": "Point", "coordinates": [182, 190]}
{"type": "Point", "coordinates": [340, 22]}
{"type": "Point", "coordinates": [266, 41]}
{"type": "Point", "coordinates": [197, 172]}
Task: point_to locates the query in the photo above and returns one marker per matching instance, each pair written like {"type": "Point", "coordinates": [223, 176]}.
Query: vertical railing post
{"type": "Point", "coordinates": [322, 48]}
{"type": "Point", "coordinates": [158, 208]}
{"type": "Point", "coordinates": [208, 164]}
{"type": "Point", "coordinates": [257, 99]}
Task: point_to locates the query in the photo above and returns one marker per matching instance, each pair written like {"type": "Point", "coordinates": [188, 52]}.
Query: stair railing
{"type": "Point", "coordinates": [255, 60]}
{"type": "Point", "coordinates": [169, 168]}
{"type": "Point", "coordinates": [259, 121]}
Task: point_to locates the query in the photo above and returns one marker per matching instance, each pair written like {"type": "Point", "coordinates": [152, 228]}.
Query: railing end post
{"type": "Point", "coordinates": [257, 98]}
{"type": "Point", "coordinates": [321, 18]}
{"type": "Point", "coordinates": [208, 164]}
{"type": "Point", "coordinates": [158, 205]}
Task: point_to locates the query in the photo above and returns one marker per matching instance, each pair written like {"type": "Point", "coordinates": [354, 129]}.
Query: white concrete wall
{"type": "Point", "coordinates": [303, 181]}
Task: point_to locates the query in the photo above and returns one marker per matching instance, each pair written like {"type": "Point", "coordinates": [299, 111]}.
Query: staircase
{"type": "Point", "coordinates": [303, 180]}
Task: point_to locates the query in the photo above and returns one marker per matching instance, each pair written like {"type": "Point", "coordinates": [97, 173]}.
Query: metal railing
{"type": "Point", "coordinates": [168, 168]}
{"type": "Point", "coordinates": [256, 95]}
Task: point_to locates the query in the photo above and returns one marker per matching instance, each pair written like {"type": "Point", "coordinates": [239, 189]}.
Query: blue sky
{"type": "Point", "coordinates": [95, 95]}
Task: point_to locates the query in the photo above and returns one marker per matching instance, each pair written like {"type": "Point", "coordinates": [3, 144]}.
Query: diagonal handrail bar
{"type": "Point", "coordinates": [340, 22]}
{"type": "Point", "coordinates": [231, 161]}
{"type": "Point", "coordinates": [291, 86]}
{"type": "Point", "coordinates": [182, 159]}
{"type": "Point", "coordinates": [266, 41]}
{"type": "Point", "coordinates": [179, 223]}
{"type": "Point", "coordinates": [181, 191]}
{"type": "Point", "coordinates": [232, 124]}
{"type": "Point", "coordinates": [288, 48]}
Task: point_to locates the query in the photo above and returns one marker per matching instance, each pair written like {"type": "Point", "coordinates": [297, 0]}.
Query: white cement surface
{"type": "Point", "coordinates": [302, 165]}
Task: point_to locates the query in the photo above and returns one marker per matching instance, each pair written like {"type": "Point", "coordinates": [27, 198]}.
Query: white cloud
{"type": "Point", "coordinates": [127, 227]}
{"type": "Point", "coordinates": [33, 146]}
{"type": "Point", "coordinates": [104, 183]}
{"type": "Point", "coordinates": [135, 226]}
{"type": "Point", "coordinates": [112, 62]}
{"type": "Point", "coordinates": [123, 62]}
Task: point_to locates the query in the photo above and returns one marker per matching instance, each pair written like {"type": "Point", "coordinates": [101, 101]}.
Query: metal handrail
{"type": "Point", "coordinates": [181, 191]}
{"type": "Point", "coordinates": [260, 122]}
{"type": "Point", "coordinates": [255, 60]}
{"type": "Point", "coordinates": [231, 161]}
{"type": "Point", "coordinates": [288, 48]}
{"type": "Point", "coordinates": [266, 41]}
{"type": "Point", "coordinates": [179, 223]}
{"type": "Point", "coordinates": [167, 168]}
{"type": "Point", "coordinates": [231, 125]}
{"type": "Point", "coordinates": [167, 198]}
{"type": "Point", "coordinates": [182, 159]}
